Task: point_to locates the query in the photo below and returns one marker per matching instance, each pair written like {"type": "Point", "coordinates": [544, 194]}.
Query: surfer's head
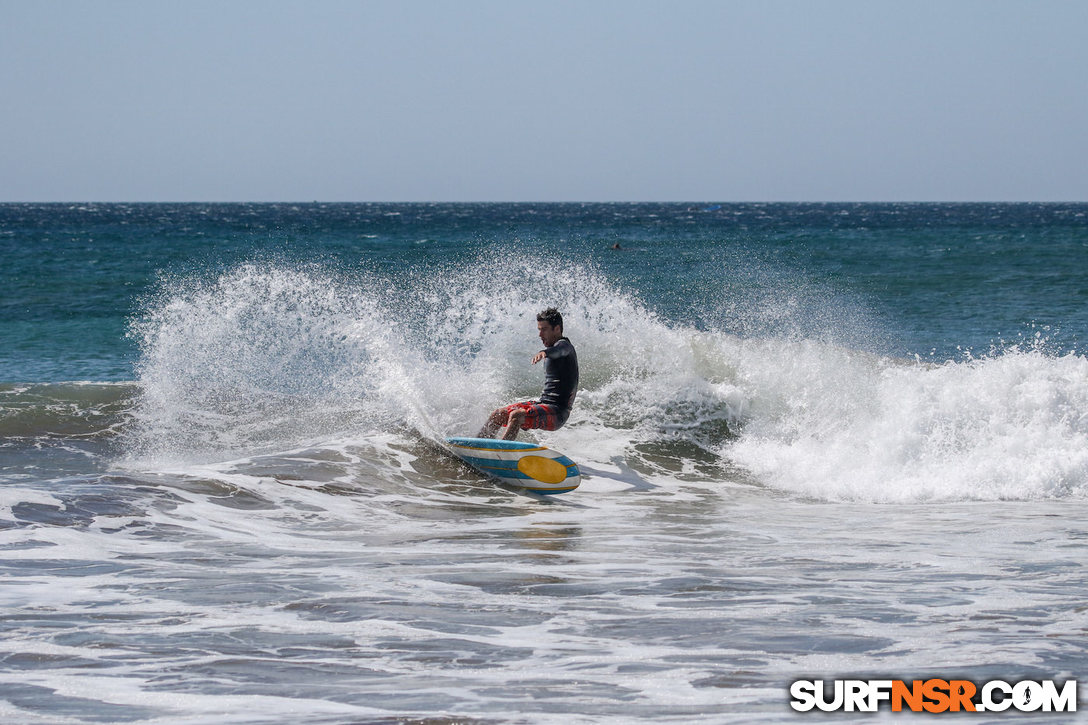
{"type": "Point", "coordinates": [549, 324]}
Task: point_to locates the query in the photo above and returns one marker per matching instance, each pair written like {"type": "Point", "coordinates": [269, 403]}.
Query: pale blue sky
{"type": "Point", "coordinates": [468, 100]}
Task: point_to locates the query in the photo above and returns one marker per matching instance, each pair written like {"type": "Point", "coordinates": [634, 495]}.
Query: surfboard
{"type": "Point", "coordinates": [518, 463]}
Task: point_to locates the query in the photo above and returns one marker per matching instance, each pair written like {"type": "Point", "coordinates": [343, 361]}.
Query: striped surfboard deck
{"type": "Point", "coordinates": [517, 463]}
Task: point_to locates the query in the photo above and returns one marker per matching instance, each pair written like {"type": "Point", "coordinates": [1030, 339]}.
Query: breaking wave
{"type": "Point", "coordinates": [264, 357]}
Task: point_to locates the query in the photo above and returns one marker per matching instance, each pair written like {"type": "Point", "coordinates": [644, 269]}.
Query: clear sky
{"type": "Point", "coordinates": [549, 100]}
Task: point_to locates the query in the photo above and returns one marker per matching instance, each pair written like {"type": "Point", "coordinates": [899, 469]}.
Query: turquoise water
{"type": "Point", "coordinates": [899, 278]}
{"type": "Point", "coordinates": [816, 441]}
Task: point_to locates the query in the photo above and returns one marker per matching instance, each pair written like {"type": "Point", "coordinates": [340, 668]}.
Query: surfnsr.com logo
{"type": "Point", "coordinates": [934, 695]}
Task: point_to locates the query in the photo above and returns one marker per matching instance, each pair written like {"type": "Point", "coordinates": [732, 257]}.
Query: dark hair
{"type": "Point", "coordinates": [552, 317]}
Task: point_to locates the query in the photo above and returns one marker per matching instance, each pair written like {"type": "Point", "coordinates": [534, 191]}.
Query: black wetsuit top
{"type": "Point", "coordinates": [560, 377]}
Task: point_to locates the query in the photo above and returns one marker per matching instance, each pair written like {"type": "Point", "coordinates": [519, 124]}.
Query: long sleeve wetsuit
{"type": "Point", "coordinates": [560, 377]}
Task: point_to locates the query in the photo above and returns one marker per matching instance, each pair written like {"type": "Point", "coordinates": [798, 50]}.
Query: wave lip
{"type": "Point", "coordinates": [1013, 425]}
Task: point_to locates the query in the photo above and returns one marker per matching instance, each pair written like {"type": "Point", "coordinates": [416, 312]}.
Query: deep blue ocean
{"type": "Point", "coordinates": [898, 278]}
{"type": "Point", "coordinates": [817, 440]}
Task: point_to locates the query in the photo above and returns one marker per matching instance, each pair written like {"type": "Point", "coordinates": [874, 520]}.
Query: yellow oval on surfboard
{"type": "Point", "coordinates": [545, 470]}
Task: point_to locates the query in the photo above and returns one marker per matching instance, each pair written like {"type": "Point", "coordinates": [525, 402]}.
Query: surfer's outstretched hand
{"type": "Point", "coordinates": [538, 357]}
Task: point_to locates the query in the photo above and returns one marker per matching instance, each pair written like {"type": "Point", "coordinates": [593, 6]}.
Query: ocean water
{"type": "Point", "coordinates": [818, 441]}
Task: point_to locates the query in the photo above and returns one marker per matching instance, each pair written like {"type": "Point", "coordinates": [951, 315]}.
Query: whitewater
{"type": "Point", "coordinates": [260, 528]}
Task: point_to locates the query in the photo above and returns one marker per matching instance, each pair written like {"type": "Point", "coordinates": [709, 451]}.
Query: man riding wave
{"type": "Point", "coordinates": [551, 411]}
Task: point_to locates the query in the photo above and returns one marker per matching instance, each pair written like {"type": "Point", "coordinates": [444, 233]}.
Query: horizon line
{"type": "Point", "coordinates": [572, 201]}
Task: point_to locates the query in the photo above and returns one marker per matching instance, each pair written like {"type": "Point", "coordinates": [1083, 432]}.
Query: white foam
{"type": "Point", "coordinates": [842, 426]}
{"type": "Point", "coordinates": [268, 359]}
{"type": "Point", "coordinates": [13, 495]}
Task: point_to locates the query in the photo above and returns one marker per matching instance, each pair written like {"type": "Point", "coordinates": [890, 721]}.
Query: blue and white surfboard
{"type": "Point", "coordinates": [527, 465]}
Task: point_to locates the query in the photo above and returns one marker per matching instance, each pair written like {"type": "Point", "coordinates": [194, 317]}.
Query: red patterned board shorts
{"type": "Point", "coordinates": [545, 417]}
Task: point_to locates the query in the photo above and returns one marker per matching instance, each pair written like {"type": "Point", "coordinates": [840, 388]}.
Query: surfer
{"type": "Point", "coordinates": [560, 385]}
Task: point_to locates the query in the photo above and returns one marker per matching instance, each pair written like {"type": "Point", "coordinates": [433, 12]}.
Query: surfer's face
{"type": "Point", "coordinates": [549, 335]}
